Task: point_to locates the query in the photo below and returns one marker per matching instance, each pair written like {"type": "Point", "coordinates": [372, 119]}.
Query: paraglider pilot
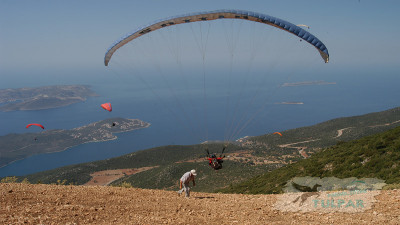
{"type": "Point", "coordinates": [214, 161]}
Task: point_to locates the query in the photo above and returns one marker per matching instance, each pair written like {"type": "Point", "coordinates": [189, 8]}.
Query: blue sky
{"type": "Point", "coordinates": [47, 42]}
{"type": "Point", "coordinates": [43, 35]}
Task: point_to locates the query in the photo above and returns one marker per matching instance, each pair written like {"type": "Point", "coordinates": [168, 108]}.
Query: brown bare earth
{"type": "Point", "coordinates": [105, 177]}
{"type": "Point", "coordinates": [59, 204]}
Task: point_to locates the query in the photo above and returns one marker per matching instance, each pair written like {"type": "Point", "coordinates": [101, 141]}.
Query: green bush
{"type": "Point", "coordinates": [9, 180]}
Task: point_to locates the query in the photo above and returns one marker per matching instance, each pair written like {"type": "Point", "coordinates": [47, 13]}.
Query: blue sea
{"type": "Point", "coordinates": [196, 117]}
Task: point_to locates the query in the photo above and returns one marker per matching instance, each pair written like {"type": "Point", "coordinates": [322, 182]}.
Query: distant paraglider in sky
{"type": "Point", "coordinates": [35, 124]}
{"type": "Point", "coordinates": [107, 106]}
{"type": "Point", "coordinates": [278, 133]}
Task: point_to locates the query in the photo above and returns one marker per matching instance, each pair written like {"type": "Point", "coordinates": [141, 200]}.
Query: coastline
{"type": "Point", "coordinates": [113, 137]}
{"type": "Point", "coordinates": [42, 98]}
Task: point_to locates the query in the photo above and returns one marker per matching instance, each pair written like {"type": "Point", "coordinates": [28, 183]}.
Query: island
{"type": "Point", "coordinates": [319, 82]}
{"type": "Point", "coordinates": [46, 97]}
{"type": "Point", "coordinates": [290, 103]}
{"type": "Point", "coordinates": [19, 146]}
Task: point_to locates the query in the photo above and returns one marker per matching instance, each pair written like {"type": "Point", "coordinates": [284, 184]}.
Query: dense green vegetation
{"type": "Point", "coordinates": [167, 173]}
{"type": "Point", "coordinates": [376, 156]}
{"type": "Point", "coordinates": [160, 156]}
{"type": "Point", "coordinates": [326, 134]}
{"type": "Point", "coordinates": [167, 177]}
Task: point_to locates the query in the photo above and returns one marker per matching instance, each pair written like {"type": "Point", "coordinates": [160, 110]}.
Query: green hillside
{"type": "Point", "coordinates": [330, 132]}
{"type": "Point", "coordinates": [248, 158]}
{"type": "Point", "coordinates": [376, 156]}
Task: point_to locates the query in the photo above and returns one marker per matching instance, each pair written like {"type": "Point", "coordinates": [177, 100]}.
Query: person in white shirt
{"type": "Point", "coordinates": [184, 182]}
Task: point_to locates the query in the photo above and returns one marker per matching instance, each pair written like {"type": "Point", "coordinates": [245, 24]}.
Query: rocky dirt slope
{"type": "Point", "coordinates": [59, 204]}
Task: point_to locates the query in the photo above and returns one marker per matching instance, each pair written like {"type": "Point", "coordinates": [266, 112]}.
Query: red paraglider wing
{"type": "Point", "coordinates": [34, 124]}
{"type": "Point", "coordinates": [278, 133]}
{"type": "Point", "coordinates": [107, 106]}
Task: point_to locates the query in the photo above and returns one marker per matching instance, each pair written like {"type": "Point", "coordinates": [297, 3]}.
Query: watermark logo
{"type": "Point", "coordinates": [307, 194]}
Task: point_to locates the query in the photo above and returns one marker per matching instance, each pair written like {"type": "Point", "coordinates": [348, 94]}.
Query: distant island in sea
{"type": "Point", "coordinates": [303, 83]}
{"type": "Point", "coordinates": [46, 97]}
{"type": "Point", "coordinates": [290, 103]}
{"type": "Point", "coordinates": [19, 146]}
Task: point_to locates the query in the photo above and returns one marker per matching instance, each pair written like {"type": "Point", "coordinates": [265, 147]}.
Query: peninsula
{"type": "Point", "coordinates": [19, 146]}
{"type": "Point", "coordinates": [13, 99]}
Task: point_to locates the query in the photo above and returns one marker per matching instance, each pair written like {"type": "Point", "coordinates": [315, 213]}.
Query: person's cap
{"type": "Point", "coordinates": [193, 172]}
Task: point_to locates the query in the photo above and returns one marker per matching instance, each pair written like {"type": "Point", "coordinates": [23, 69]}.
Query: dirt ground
{"type": "Point", "coordinates": [59, 204]}
{"type": "Point", "coordinates": [105, 177]}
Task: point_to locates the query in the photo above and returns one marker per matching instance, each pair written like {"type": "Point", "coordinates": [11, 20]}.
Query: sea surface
{"type": "Point", "coordinates": [192, 116]}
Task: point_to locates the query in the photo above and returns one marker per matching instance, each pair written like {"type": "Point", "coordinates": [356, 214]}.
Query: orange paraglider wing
{"type": "Point", "coordinates": [34, 124]}
{"type": "Point", "coordinates": [278, 133]}
{"type": "Point", "coordinates": [107, 106]}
